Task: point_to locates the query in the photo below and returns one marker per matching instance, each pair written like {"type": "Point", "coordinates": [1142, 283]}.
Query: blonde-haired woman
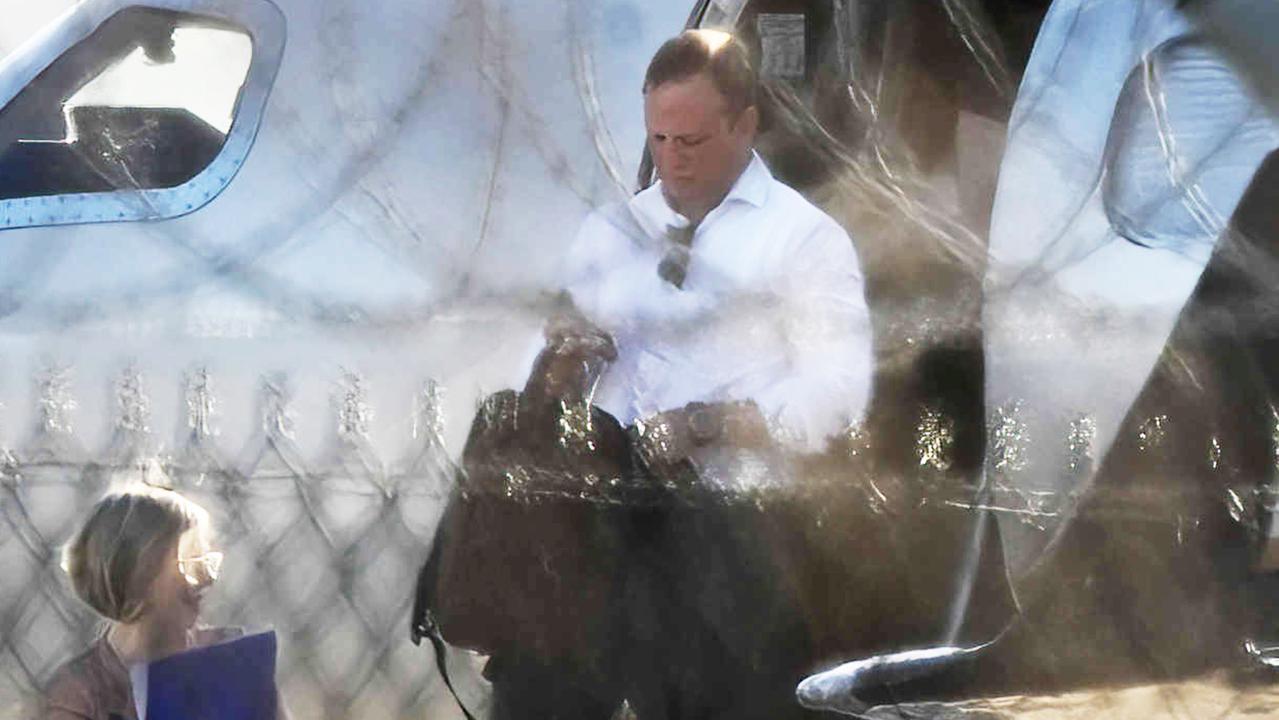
{"type": "Point", "coordinates": [142, 560]}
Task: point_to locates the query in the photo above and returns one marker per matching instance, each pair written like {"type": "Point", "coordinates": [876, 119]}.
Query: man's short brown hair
{"type": "Point", "coordinates": [716, 53]}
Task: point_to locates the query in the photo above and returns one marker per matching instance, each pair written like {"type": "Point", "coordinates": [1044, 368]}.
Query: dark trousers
{"type": "Point", "coordinates": [706, 625]}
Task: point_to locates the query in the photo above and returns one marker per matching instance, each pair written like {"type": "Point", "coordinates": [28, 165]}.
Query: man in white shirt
{"type": "Point", "coordinates": [721, 286]}
{"type": "Point", "coordinates": [734, 316]}
{"type": "Point", "coordinates": [738, 315]}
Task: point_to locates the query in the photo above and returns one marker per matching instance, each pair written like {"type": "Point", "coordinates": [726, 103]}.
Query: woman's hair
{"type": "Point", "coordinates": [123, 544]}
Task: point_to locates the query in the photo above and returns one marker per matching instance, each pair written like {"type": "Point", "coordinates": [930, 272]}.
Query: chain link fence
{"type": "Point", "coordinates": [326, 549]}
{"type": "Point", "coordinates": [325, 552]}
{"type": "Point", "coordinates": [323, 548]}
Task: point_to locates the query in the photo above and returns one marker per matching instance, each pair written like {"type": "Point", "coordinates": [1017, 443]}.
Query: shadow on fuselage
{"type": "Point", "coordinates": [1153, 579]}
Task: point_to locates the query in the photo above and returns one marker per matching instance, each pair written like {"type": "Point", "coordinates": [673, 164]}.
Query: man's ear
{"type": "Point", "coordinates": [747, 123]}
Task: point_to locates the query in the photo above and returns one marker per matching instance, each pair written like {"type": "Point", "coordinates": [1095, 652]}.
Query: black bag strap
{"type": "Point", "coordinates": [428, 628]}
{"type": "Point", "coordinates": [424, 624]}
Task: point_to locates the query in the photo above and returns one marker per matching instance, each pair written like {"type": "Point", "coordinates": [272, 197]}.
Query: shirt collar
{"type": "Point", "coordinates": [751, 187]}
{"type": "Point", "coordinates": [752, 184]}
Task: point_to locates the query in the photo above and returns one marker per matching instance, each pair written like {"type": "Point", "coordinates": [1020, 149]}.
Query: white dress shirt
{"type": "Point", "coordinates": [771, 309]}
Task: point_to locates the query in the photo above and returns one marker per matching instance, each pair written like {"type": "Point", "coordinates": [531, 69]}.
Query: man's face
{"type": "Point", "coordinates": [697, 145]}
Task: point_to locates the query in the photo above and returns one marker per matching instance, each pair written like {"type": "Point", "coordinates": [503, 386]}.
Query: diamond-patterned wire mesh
{"type": "Point", "coordinates": [327, 553]}
{"type": "Point", "coordinates": [327, 550]}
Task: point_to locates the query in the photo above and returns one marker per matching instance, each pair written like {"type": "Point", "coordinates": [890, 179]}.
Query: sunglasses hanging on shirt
{"type": "Point", "coordinates": [674, 265]}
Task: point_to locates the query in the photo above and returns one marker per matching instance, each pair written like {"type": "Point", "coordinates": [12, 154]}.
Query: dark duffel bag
{"type": "Point", "coordinates": [527, 562]}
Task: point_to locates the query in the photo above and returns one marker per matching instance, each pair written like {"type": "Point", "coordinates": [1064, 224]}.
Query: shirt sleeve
{"type": "Point", "coordinates": [826, 381]}
{"type": "Point", "coordinates": [583, 263]}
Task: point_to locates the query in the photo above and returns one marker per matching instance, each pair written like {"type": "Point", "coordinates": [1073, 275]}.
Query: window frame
{"type": "Point", "coordinates": [265, 25]}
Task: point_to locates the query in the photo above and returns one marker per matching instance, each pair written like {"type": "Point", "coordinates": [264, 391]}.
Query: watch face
{"type": "Point", "coordinates": [704, 425]}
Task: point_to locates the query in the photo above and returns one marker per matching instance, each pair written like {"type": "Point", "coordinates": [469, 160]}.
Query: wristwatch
{"type": "Point", "coordinates": [705, 423]}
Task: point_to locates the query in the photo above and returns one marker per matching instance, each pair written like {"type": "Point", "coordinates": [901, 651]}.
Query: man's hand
{"type": "Point", "coordinates": [576, 354]}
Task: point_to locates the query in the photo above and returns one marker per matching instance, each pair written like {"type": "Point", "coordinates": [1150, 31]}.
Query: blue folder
{"type": "Point", "coordinates": [233, 680]}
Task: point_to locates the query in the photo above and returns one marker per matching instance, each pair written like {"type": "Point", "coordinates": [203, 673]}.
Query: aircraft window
{"type": "Point", "coordinates": [144, 102]}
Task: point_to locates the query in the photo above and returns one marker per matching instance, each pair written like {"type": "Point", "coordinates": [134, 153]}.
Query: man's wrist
{"type": "Point", "coordinates": [705, 423]}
